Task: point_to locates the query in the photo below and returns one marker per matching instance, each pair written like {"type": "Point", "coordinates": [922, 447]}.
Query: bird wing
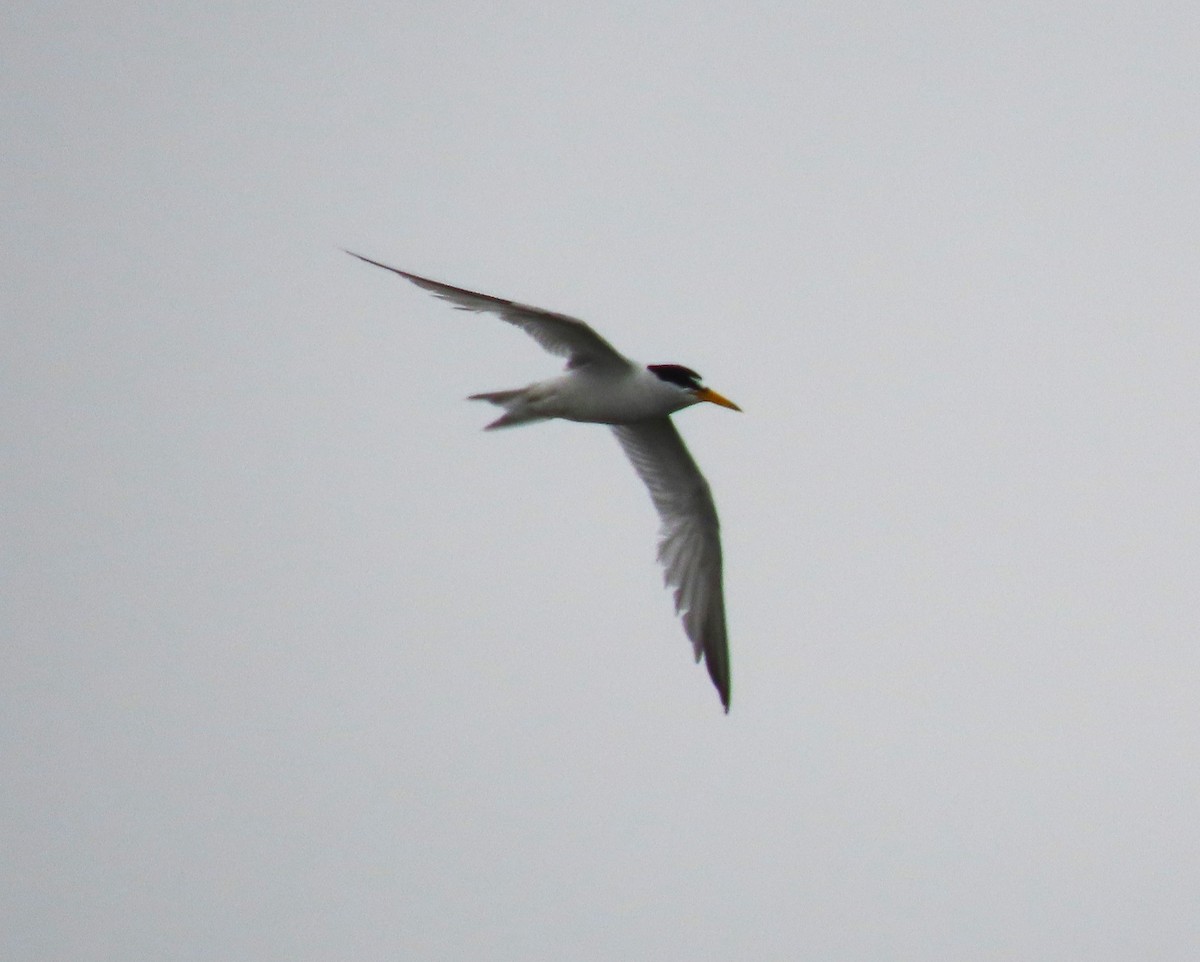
{"type": "Point", "coordinates": [559, 334]}
{"type": "Point", "coordinates": [689, 546]}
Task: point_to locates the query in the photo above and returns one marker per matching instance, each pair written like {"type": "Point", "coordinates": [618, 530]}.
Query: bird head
{"type": "Point", "coordinates": [688, 380]}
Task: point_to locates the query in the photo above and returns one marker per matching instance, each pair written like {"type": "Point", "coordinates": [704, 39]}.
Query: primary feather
{"type": "Point", "coordinates": [689, 546]}
{"type": "Point", "coordinates": [559, 334]}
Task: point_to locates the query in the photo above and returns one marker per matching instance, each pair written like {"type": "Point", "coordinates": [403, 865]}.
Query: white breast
{"type": "Point", "coordinates": [607, 398]}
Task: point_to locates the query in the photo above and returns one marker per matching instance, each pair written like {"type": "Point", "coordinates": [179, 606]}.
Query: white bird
{"type": "Point", "coordinates": [602, 386]}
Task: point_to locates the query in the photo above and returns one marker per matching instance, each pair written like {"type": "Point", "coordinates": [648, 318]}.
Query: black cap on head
{"type": "Point", "coordinates": [676, 374]}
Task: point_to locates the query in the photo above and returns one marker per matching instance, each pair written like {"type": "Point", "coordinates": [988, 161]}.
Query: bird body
{"type": "Point", "coordinates": [602, 386]}
{"type": "Point", "coordinates": [605, 395]}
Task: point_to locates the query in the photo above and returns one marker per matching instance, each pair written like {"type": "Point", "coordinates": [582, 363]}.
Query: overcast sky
{"type": "Point", "coordinates": [298, 664]}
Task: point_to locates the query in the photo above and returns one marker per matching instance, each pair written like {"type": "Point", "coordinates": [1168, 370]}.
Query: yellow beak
{"type": "Point", "coordinates": [704, 394]}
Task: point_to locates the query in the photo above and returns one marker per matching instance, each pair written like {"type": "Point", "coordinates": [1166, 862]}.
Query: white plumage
{"type": "Point", "coordinates": [602, 386]}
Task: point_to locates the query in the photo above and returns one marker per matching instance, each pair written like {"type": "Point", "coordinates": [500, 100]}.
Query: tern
{"type": "Point", "coordinates": [602, 386]}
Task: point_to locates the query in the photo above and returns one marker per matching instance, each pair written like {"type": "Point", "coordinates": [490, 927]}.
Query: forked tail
{"type": "Point", "coordinates": [516, 408]}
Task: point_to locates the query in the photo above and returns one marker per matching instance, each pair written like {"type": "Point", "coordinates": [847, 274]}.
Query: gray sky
{"type": "Point", "coordinates": [300, 665]}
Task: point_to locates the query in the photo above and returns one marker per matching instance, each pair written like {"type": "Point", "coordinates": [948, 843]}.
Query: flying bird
{"type": "Point", "coordinates": [603, 386]}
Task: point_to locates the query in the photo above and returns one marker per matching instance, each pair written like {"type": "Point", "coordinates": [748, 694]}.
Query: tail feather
{"type": "Point", "coordinates": [516, 410]}
{"type": "Point", "coordinates": [503, 398]}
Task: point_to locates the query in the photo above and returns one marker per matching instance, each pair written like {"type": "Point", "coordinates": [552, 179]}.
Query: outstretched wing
{"type": "Point", "coordinates": [559, 334]}
{"type": "Point", "coordinates": [689, 546]}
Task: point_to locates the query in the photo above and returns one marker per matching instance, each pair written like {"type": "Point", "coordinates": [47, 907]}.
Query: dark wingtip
{"type": "Point", "coordinates": [365, 260]}
{"type": "Point", "coordinates": [720, 681]}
